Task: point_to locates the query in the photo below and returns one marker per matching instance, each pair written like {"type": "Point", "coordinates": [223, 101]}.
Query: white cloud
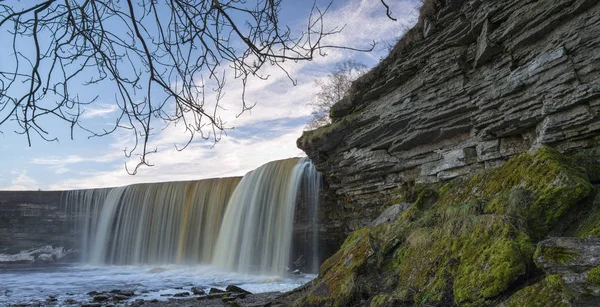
{"type": "Point", "coordinates": [102, 110]}
{"type": "Point", "coordinates": [58, 160]}
{"type": "Point", "coordinates": [231, 157]}
{"type": "Point", "coordinates": [21, 181]}
{"type": "Point", "coordinates": [235, 155]}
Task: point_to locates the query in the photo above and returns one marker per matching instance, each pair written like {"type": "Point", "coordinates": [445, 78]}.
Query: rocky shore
{"type": "Point", "coordinates": [197, 296]}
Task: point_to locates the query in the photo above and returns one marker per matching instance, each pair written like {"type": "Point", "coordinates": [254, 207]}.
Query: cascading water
{"type": "Point", "coordinates": [173, 222]}
{"type": "Point", "coordinates": [257, 228]}
{"type": "Point", "coordinates": [244, 226]}
{"type": "Point", "coordinates": [312, 186]}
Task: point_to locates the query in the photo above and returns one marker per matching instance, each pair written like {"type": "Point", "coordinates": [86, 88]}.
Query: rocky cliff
{"type": "Point", "coordinates": [30, 219]}
{"type": "Point", "coordinates": [473, 84]}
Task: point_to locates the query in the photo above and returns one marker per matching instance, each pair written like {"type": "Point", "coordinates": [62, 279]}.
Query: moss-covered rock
{"type": "Point", "coordinates": [469, 258]}
{"type": "Point", "coordinates": [464, 243]}
{"type": "Point", "coordinates": [589, 223]}
{"type": "Point", "coordinates": [589, 161]}
{"type": "Point", "coordinates": [554, 254]}
{"type": "Point", "coordinates": [548, 292]}
{"type": "Point", "coordinates": [339, 273]}
{"type": "Point", "coordinates": [537, 188]}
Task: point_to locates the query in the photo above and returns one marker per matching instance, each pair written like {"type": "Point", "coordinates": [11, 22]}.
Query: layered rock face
{"type": "Point", "coordinates": [31, 219]}
{"type": "Point", "coordinates": [482, 81]}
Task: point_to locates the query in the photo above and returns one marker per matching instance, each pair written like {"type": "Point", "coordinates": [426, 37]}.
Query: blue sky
{"type": "Point", "coordinates": [267, 132]}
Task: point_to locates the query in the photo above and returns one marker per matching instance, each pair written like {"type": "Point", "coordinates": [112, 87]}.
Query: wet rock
{"type": "Point", "coordinates": [119, 297]}
{"type": "Point", "coordinates": [51, 298]}
{"type": "Point", "coordinates": [101, 298]}
{"type": "Point", "coordinates": [236, 289]}
{"type": "Point", "coordinates": [123, 292]}
{"type": "Point", "coordinates": [71, 301]}
{"type": "Point", "coordinates": [215, 290]}
{"type": "Point", "coordinates": [211, 296]}
{"type": "Point", "coordinates": [300, 262]}
{"type": "Point", "coordinates": [231, 298]}
{"type": "Point", "coordinates": [181, 294]}
{"type": "Point", "coordinates": [198, 290]}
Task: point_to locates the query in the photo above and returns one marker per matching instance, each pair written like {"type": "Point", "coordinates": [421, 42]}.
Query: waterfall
{"type": "Point", "coordinates": [240, 225]}
{"type": "Point", "coordinates": [173, 222]}
{"type": "Point", "coordinates": [256, 232]}
{"type": "Point", "coordinates": [312, 186]}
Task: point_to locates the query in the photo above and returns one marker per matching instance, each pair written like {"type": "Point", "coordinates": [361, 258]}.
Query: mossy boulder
{"type": "Point", "coordinates": [338, 284]}
{"type": "Point", "coordinates": [589, 223]}
{"type": "Point", "coordinates": [464, 243]}
{"type": "Point", "coordinates": [466, 259]}
{"type": "Point", "coordinates": [548, 292]}
{"type": "Point", "coordinates": [589, 161]}
{"type": "Point", "coordinates": [576, 261]}
{"type": "Point", "coordinates": [537, 188]}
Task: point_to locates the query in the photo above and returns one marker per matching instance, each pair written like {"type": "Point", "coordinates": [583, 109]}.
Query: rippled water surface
{"type": "Point", "coordinates": [30, 284]}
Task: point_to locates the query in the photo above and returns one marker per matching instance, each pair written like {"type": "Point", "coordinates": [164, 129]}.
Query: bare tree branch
{"type": "Point", "coordinates": [388, 12]}
{"type": "Point", "coordinates": [332, 90]}
{"type": "Point", "coordinates": [160, 60]}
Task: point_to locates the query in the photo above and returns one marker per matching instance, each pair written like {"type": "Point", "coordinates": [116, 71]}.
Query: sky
{"type": "Point", "coordinates": [267, 132]}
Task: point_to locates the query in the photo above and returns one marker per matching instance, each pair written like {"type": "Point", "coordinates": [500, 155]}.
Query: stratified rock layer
{"type": "Point", "coordinates": [31, 219]}
{"type": "Point", "coordinates": [483, 81]}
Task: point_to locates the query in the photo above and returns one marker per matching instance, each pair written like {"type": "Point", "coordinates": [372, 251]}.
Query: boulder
{"type": "Point", "coordinates": [236, 289]}
{"type": "Point", "coordinates": [390, 214]}
{"type": "Point", "coordinates": [576, 260]}
{"type": "Point", "coordinates": [215, 291]}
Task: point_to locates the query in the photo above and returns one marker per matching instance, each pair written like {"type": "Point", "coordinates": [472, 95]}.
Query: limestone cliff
{"type": "Point", "coordinates": [31, 219]}
{"type": "Point", "coordinates": [473, 84]}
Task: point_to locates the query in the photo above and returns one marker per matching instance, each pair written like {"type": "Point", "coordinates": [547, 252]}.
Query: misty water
{"type": "Point", "coordinates": [30, 284]}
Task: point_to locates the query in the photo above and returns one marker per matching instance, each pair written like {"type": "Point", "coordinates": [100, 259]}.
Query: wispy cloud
{"type": "Point", "coordinates": [231, 157]}
{"type": "Point", "coordinates": [102, 110]}
{"type": "Point", "coordinates": [21, 181]}
{"type": "Point", "coordinates": [267, 132]}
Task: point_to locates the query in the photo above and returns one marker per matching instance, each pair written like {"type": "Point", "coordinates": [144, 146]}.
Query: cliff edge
{"type": "Point", "coordinates": [473, 84]}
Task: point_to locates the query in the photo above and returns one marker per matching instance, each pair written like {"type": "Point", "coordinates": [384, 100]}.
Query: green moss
{"type": "Point", "coordinates": [556, 281]}
{"type": "Point", "coordinates": [589, 161]}
{"type": "Point", "coordinates": [483, 254]}
{"type": "Point", "coordinates": [593, 276]}
{"type": "Point", "coordinates": [339, 273]}
{"type": "Point", "coordinates": [312, 136]}
{"type": "Point", "coordinates": [355, 236]}
{"type": "Point", "coordinates": [464, 243]}
{"type": "Point", "coordinates": [548, 292]}
{"type": "Point", "coordinates": [590, 226]}
{"type": "Point", "coordinates": [554, 254]}
{"type": "Point", "coordinates": [379, 300]}
{"type": "Point", "coordinates": [538, 188]}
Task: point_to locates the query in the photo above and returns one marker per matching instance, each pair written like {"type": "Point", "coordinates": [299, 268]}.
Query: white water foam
{"type": "Point", "coordinates": [45, 253]}
{"type": "Point", "coordinates": [31, 284]}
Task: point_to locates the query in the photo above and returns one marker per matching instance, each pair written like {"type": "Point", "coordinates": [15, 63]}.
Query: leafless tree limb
{"type": "Point", "coordinates": [332, 90]}
{"type": "Point", "coordinates": [388, 12]}
{"type": "Point", "coordinates": [153, 56]}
